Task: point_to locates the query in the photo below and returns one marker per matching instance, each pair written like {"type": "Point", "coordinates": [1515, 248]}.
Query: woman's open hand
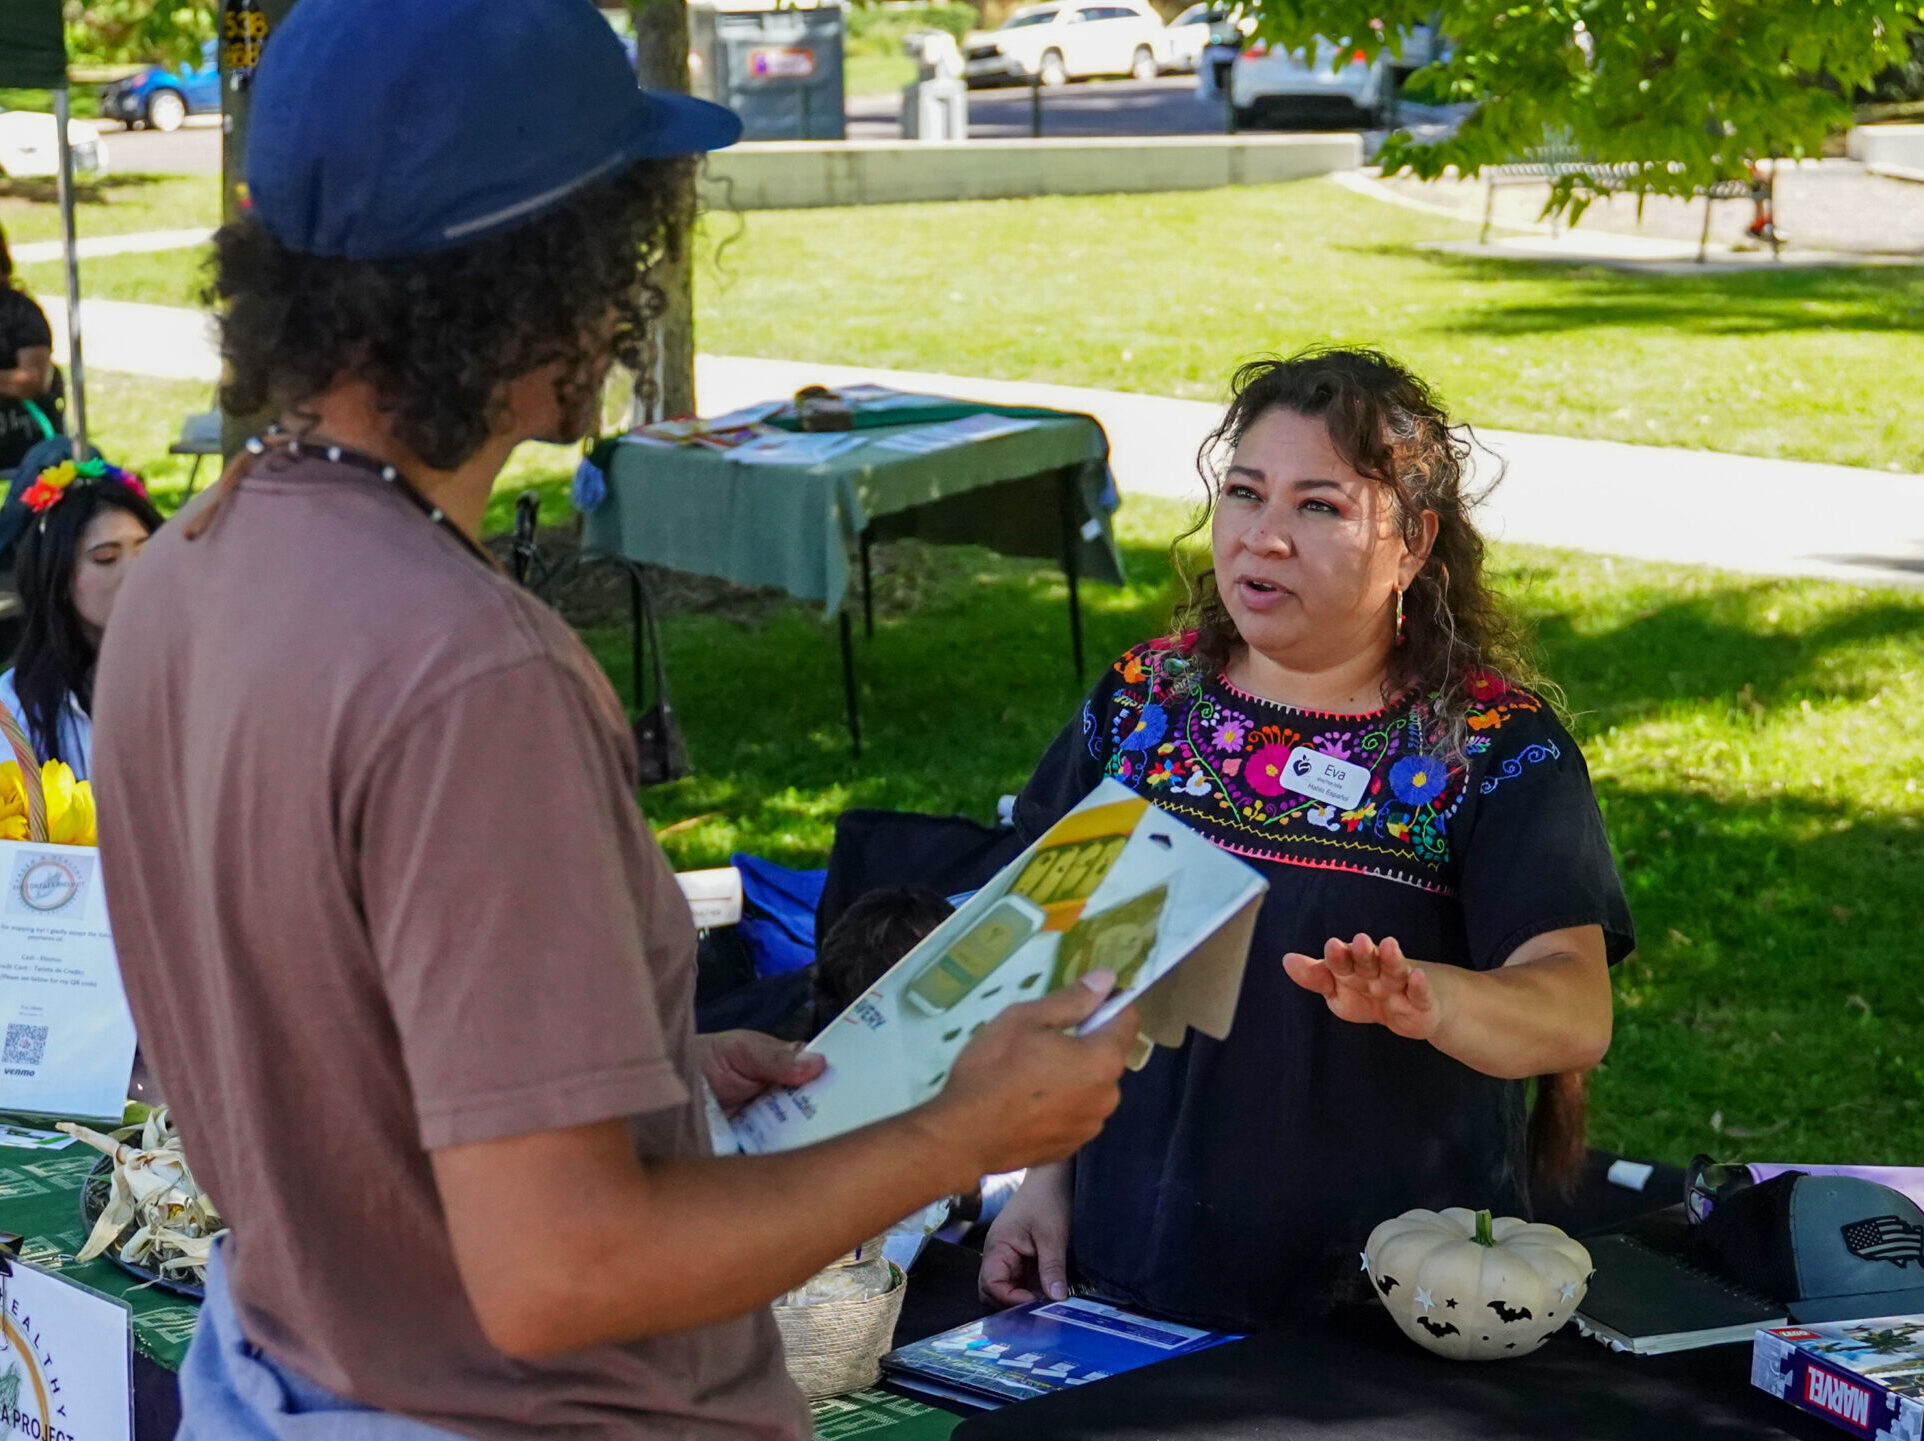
{"type": "Point", "coordinates": [1371, 983]}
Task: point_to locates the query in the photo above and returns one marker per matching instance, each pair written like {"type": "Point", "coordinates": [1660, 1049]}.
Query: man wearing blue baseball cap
{"type": "Point", "coordinates": [408, 964]}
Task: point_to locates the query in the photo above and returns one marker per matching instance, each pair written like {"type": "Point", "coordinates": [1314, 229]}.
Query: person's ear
{"type": "Point", "coordinates": [1416, 556]}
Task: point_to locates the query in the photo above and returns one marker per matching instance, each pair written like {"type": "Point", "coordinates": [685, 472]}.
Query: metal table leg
{"type": "Point", "coordinates": [848, 683]}
{"type": "Point", "coordinates": [868, 590]}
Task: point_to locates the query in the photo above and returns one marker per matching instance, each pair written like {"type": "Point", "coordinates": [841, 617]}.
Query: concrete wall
{"type": "Point", "coordinates": [788, 175]}
{"type": "Point", "coordinates": [1889, 147]}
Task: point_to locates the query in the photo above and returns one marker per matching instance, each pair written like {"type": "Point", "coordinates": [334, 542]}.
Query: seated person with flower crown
{"type": "Point", "coordinates": [79, 528]}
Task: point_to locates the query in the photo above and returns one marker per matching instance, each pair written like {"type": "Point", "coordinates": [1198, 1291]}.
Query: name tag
{"type": "Point", "coordinates": [1325, 778]}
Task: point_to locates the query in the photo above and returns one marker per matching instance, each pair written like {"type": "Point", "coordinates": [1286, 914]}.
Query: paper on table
{"type": "Point", "coordinates": [66, 1036]}
{"type": "Point", "coordinates": [923, 439]}
{"type": "Point", "coordinates": [26, 1139]}
{"type": "Point", "coordinates": [797, 447]}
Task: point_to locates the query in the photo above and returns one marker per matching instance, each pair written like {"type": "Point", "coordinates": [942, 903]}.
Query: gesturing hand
{"type": "Point", "coordinates": [1371, 984]}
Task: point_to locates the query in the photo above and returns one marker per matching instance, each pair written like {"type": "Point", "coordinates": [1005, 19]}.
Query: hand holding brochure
{"type": "Point", "coordinates": [1115, 885]}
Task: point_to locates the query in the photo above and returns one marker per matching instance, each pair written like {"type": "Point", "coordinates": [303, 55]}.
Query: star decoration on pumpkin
{"type": "Point", "coordinates": [1425, 1300]}
{"type": "Point", "coordinates": [1366, 1259]}
{"type": "Point", "coordinates": [1569, 1290]}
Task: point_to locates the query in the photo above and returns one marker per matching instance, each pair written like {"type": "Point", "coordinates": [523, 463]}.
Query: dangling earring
{"type": "Point", "coordinates": [1401, 630]}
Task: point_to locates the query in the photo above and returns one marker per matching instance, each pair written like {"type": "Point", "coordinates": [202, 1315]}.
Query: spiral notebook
{"type": "Point", "coordinates": [1648, 1301]}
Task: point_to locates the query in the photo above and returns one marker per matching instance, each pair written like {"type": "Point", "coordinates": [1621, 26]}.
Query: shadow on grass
{"type": "Point", "coordinates": [1867, 298]}
{"type": "Point", "coordinates": [1762, 967]}
{"type": "Point", "coordinates": [1720, 645]}
{"type": "Point", "coordinates": [39, 190]}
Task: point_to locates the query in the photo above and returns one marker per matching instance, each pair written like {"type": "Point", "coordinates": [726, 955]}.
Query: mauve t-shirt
{"type": "Point", "coordinates": [379, 886]}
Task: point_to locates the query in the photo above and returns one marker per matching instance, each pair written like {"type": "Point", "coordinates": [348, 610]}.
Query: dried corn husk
{"type": "Point", "coordinates": [175, 1225]}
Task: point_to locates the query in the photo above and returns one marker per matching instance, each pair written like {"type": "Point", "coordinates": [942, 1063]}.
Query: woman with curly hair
{"type": "Point", "coordinates": [1343, 705]}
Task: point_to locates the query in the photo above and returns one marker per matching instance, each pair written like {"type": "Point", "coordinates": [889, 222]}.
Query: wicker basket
{"type": "Point", "coordinates": [837, 1346]}
{"type": "Point", "coordinates": [29, 763]}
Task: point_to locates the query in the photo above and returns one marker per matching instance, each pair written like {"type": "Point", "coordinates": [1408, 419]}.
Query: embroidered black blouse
{"type": "Point", "coordinates": [1239, 1179]}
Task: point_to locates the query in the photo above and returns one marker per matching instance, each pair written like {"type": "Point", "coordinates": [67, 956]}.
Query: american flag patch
{"type": "Point", "coordinates": [1886, 1238]}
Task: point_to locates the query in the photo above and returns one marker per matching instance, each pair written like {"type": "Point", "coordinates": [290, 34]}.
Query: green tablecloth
{"type": "Point", "coordinates": [40, 1200]}
{"type": "Point", "coordinates": [698, 510]}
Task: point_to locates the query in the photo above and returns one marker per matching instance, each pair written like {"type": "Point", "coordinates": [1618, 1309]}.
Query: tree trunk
{"type": "Point", "coordinates": [661, 63]}
{"type": "Point", "coordinates": [245, 26]}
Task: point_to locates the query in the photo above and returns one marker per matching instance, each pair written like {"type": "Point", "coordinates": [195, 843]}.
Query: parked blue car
{"type": "Point", "coordinates": [163, 96]}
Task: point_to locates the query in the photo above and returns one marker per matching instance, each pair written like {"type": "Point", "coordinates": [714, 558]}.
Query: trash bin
{"type": "Point", "coordinates": [780, 70]}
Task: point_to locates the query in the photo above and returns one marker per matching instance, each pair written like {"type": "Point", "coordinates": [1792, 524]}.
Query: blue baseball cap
{"type": "Point", "coordinates": [386, 128]}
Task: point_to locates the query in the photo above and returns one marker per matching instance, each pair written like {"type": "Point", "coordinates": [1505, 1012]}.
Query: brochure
{"type": "Point", "coordinates": [66, 1035]}
{"type": "Point", "coordinates": [1040, 1348]}
{"type": "Point", "coordinates": [1116, 885]}
{"type": "Point", "coordinates": [926, 439]}
{"type": "Point", "coordinates": [797, 447]}
{"type": "Point", "coordinates": [1864, 1377]}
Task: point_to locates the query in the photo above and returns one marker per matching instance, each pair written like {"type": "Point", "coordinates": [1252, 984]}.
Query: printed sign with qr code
{"type": "Point", "coordinates": [47, 883]}
{"type": "Point", "coordinates": [24, 1045]}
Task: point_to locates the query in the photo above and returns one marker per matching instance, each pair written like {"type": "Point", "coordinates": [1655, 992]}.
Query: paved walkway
{"type": "Point", "coordinates": [1772, 517]}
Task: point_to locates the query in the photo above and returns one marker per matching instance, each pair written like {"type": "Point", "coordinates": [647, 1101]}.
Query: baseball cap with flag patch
{"type": "Point", "coordinates": [1833, 1248]}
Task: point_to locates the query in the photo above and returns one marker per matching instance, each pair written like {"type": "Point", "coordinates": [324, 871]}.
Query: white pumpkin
{"type": "Point", "coordinates": [1474, 1289]}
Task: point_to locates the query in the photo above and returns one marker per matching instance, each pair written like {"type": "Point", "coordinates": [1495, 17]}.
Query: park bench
{"type": "Point", "coordinates": [1546, 164]}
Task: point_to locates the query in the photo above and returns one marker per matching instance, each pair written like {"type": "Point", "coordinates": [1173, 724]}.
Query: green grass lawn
{"type": "Point", "coordinates": [1809, 364]}
{"type": "Point", "coordinates": [1164, 293]}
{"type": "Point", "coordinates": [876, 74]}
{"type": "Point", "coordinates": [1755, 745]}
{"type": "Point", "coordinates": [112, 205]}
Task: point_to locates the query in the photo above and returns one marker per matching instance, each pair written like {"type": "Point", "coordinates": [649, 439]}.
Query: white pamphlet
{"type": "Point", "coordinates": [66, 1359]}
{"type": "Point", "coordinates": [66, 1036]}
{"type": "Point", "coordinates": [797, 447]}
{"type": "Point", "coordinates": [925, 439]}
{"type": "Point", "coordinates": [1116, 885]}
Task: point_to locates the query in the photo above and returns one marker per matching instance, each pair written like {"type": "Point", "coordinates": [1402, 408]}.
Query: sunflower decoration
{"type": "Point", "coordinates": [70, 805]}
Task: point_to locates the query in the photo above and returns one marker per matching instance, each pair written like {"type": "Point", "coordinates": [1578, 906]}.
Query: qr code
{"type": "Point", "coordinates": [25, 1046]}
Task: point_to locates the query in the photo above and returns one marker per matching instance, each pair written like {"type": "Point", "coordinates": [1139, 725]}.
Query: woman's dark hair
{"type": "Point", "coordinates": [437, 336]}
{"type": "Point", "coordinates": [875, 932]}
{"type": "Point", "coordinates": [56, 658]}
{"type": "Point", "coordinates": [6, 260]}
{"type": "Point", "coordinates": [1388, 426]}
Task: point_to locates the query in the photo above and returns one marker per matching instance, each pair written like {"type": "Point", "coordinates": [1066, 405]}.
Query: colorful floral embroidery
{"type": "Point", "coordinates": [1216, 757]}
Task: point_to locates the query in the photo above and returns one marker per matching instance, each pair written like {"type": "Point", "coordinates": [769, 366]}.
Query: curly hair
{"type": "Point", "coordinates": [1388, 426]}
{"type": "Point", "coordinates": [438, 336]}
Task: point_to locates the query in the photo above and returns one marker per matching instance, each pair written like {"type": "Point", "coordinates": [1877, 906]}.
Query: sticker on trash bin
{"type": "Point", "coordinates": [783, 64]}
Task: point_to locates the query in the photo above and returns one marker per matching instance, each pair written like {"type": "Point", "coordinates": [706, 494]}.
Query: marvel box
{"type": "Point", "coordinates": [1864, 1377]}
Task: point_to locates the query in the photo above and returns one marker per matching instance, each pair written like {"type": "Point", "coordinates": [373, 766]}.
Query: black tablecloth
{"type": "Point", "coordinates": [1357, 1378]}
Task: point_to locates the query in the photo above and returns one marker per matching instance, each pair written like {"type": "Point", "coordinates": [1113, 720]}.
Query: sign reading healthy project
{"type": "Point", "coordinates": [1116, 885]}
{"type": "Point", "coordinates": [66, 1036]}
{"type": "Point", "coordinates": [66, 1359]}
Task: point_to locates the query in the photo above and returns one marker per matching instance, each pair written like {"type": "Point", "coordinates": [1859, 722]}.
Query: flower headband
{"type": "Point", "coordinates": [51, 485]}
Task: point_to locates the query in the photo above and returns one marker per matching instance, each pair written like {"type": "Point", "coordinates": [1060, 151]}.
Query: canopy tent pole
{"type": "Point", "coordinates": [76, 375]}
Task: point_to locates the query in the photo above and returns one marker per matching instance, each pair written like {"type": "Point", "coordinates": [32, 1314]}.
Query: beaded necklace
{"type": "Point", "coordinates": [278, 439]}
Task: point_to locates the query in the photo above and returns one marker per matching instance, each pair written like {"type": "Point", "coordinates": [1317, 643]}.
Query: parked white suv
{"type": "Point", "coordinates": [1062, 42]}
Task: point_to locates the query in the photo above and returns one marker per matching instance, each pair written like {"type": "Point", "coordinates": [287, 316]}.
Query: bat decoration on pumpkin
{"type": "Point", "coordinates": [1507, 1314]}
{"type": "Point", "coordinates": [1386, 1284]}
{"type": "Point", "coordinates": [1448, 1328]}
